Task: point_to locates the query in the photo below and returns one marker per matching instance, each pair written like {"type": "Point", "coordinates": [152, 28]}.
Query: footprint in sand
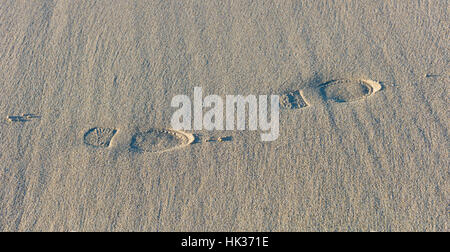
{"type": "Point", "coordinates": [99, 137]}
{"type": "Point", "coordinates": [293, 100]}
{"type": "Point", "coordinates": [348, 90]}
{"type": "Point", "coordinates": [160, 140]}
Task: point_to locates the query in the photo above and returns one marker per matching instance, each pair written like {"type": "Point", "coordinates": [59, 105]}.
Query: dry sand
{"type": "Point", "coordinates": [83, 82]}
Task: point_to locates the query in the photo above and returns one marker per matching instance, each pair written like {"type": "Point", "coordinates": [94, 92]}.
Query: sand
{"type": "Point", "coordinates": [79, 80]}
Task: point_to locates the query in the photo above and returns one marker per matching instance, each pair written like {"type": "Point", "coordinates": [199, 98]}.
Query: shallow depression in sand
{"type": "Point", "coordinates": [99, 137]}
{"type": "Point", "coordinates": [349, 90]}
{"type": "Point", "coordinates": [160, 140]}
{"type": "Point", "coordinates": [293, 100]}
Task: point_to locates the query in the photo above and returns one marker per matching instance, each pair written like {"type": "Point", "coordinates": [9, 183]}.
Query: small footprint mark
{"type": "Point", "coordinates": [99, 137]}
{"type": "Point", "coordinates": [349, 90]}
{"type": "Point", "coordinates": [432, 75]}
{"type": "Point", "coordinates": [22, 118]}
{"type": "Point", "coordinates": [160, 140]}
{"type": "Point", "coordinates": [293, 100]}
{"type": "Point", "coordinates": [218, 139]}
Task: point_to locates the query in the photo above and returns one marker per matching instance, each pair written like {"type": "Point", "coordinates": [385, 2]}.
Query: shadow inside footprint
{"type": "Point", "coordinates": [99, 137]}
{"type": "Point", "coordinates": [159, 140]}
{"type": "Point", "coordinates": [293, 100]}
{"type": "Point", "coordinates": [348, 90]}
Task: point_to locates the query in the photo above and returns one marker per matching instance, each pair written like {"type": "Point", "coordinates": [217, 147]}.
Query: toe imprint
{"type": "Point", "coordinates": [99, 137]}
{"type": "Point", "coordinates": [293, 100]}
